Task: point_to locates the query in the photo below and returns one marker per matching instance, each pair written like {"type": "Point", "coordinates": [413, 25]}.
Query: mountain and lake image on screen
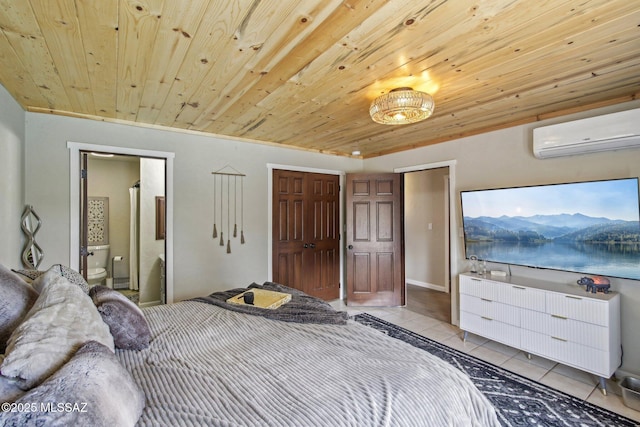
{"type": "Point", "coordinates": [586, 227]}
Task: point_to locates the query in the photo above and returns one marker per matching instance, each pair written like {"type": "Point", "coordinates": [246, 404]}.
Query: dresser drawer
{"type": "Point", "coordinates": [566, 352]}
{"type": "Point", "coordinates": [478, 287]}
{"type": "Point", "coordinates": [490, 328]}
{"type": "Point", "coordinates": [582, 333]}
{"type": "Point", "coordinates": [520, 296]}
{"type": "Point", "coordinates": [490, 309]}
{"type": "Point", "coordinates": [578, 308]}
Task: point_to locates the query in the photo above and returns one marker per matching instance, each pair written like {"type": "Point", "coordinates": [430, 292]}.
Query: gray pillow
{"type": "Point", "coordinates": [9, 390]}
{"type": "Point", "coordinates": [16, 298]}
{"type": "Point", "coordinates": [61, 320]}
{"type": "Point", "coordinates": [99, 389]}
{"type": "Point", "coordinates": [126, 321]}
{"type": "Point", "coordinates": [59, 270]}
{"type": "Point", "coordinates": [28, 275]}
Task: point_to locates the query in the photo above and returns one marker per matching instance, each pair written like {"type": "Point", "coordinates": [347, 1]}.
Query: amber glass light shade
{"type": "Point", "coordinates": [401, 106]}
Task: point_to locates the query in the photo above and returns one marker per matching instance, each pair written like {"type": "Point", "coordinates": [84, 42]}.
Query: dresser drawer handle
{"type": "Point", "coordinates": [559, 339]}
{"type": "Point", "coordinates": [476, 280]}
{"type": "Point", "coordinates": [486, 318]}
{"type": "Point", "coordinates": [572, 297]}
{"type": "Point", "coordinates": [519, 287]}
{"type": "Point", "coordinates": [487, 300]}
{"type": "Point", "coordinates": [557, 316]}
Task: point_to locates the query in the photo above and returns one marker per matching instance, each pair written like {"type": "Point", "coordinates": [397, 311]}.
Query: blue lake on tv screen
{"type": "Point", "coordinates": [612, 260]}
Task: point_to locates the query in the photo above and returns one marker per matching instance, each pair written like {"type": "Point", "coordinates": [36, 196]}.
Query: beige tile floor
{"type": "Point", "coordinates": [560, 377]}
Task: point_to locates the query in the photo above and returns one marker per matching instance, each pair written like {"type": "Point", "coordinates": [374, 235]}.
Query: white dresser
{"type": "Point", "coordinates": [559, 322]}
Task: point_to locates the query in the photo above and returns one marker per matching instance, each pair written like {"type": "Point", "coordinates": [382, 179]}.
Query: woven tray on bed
{"type": "Point", "coordinates": [262, 298]}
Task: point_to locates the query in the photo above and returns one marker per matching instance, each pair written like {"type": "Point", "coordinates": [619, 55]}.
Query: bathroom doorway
{"type": "Point", "coordinates": [119, 225]}
{"type": "Point", "coordinates": [162, 259]}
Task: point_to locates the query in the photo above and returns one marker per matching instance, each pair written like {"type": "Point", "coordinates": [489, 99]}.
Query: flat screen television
{"type": "Point", "coordinates": [583, 227]}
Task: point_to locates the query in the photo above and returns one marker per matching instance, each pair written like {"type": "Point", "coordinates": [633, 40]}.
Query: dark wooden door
{"type": "Point", "coordinates": [375, 240]}
{"type": "Point", "coordinates": [306, 232]}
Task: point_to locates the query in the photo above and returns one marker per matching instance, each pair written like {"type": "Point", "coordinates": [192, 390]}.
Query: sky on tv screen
{"type": "Point", "coordinates": [617, 199]}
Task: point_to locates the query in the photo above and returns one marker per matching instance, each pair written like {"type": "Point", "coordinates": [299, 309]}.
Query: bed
{"type": "Point", "coordinates": [207, 364]}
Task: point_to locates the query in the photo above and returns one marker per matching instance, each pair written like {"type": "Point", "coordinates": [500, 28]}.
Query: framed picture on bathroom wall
{"type": "Point", "coordinates": [160, 218]}
{"type": "Point", "coordinates": [98, 221]}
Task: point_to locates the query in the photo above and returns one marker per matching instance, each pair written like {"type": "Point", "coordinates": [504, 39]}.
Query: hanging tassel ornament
{"type": "Point", "coordinates": [242, 210]}
{"type": "Point", "coordinates": [215, 230]}
{"type": "Point", "coordinates": [235, 206]}
{"type": "Point", "coordinates": [221, 211]}
{"type": "Point", "coordinates": [227, 175]}
{"type": "Point", "coordinates": [228, 214]}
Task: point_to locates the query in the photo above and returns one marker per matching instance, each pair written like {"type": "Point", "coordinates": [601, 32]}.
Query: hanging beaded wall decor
{"type": "Point", "coordinates": [228, 182]}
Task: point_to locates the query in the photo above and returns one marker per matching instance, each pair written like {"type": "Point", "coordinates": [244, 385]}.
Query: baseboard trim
{"type": "Point", "coordinates": [620, 374]}
{"type": "Point", "coordinates": [149, 304]}
{"type": "Point", "coordinates": [425, 285]}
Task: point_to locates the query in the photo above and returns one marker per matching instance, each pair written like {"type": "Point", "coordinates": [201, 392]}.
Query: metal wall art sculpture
{"type": "Point", "coordinates": [32, 254]}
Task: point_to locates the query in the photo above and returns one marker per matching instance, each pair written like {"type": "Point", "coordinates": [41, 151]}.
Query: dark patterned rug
{"type": "Point", "coordinates": [519, 401]}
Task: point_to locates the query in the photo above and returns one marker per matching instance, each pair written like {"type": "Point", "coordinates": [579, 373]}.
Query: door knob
{"type": "Point", "coordinates": [306, 245]}
{"type": "Point", "coordinates": [350, 247]}
{"type": "Point", "coordinates": [312, 245]}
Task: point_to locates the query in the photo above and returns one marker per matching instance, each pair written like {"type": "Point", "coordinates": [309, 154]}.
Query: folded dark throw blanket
{"type": "Point", "coordinates": [302, 308]}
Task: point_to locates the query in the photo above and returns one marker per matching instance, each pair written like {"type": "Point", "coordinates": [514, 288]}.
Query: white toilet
{"type": "Point", "coordinates": [97, 264]}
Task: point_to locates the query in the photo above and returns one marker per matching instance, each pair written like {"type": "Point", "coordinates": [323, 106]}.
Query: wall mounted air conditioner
{"type": "Point", "coordinates": [614, 131]}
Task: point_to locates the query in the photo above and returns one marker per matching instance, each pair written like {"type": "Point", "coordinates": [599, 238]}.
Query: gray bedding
{"type": "Point", "coordinates": [302, 308]}
{"type": "Point", "coordinates": [210, 366]}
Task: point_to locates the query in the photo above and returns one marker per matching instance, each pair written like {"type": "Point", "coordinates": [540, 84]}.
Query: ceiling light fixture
{"type": "Point", "coordinates": [401, 106]}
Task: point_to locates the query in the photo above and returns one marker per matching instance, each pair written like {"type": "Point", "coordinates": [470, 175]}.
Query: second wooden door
{"type": "Point", "coordinates": [375, 240]}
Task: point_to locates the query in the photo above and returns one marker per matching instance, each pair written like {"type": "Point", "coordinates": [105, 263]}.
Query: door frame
{"type": "Point", "coordinates": [453, 241]}
{"type": "Point", "coordinates": [74, 190]}
{"type": "Point", "coordinates": [342, 175]}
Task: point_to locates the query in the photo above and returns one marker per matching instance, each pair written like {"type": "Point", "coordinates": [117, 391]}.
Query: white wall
{"type": "Point", "coordinates": [200, 267]}
{"type": "Point", "coordinates": [12, 119]}
{"type": "Point", "coordinates": [112, 178]}
{"type": "Point", "coordinates": [504, 158]}
{"type": "Point", "coordinates": [425, 228]}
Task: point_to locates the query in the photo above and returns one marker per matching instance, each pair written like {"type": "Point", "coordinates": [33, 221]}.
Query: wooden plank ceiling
{"type": "Point", "coordinates": [302, 73]}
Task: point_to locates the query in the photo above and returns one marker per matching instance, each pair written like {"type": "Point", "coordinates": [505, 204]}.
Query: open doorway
{"type": "Point", "coordinates": [429, 239]}
{"type": "Point", "coordinates": [125, 251]}
{"type": "Point", "coordinates": [154, 168]}
{"type": "Point", "coordinates": [426, 242]}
